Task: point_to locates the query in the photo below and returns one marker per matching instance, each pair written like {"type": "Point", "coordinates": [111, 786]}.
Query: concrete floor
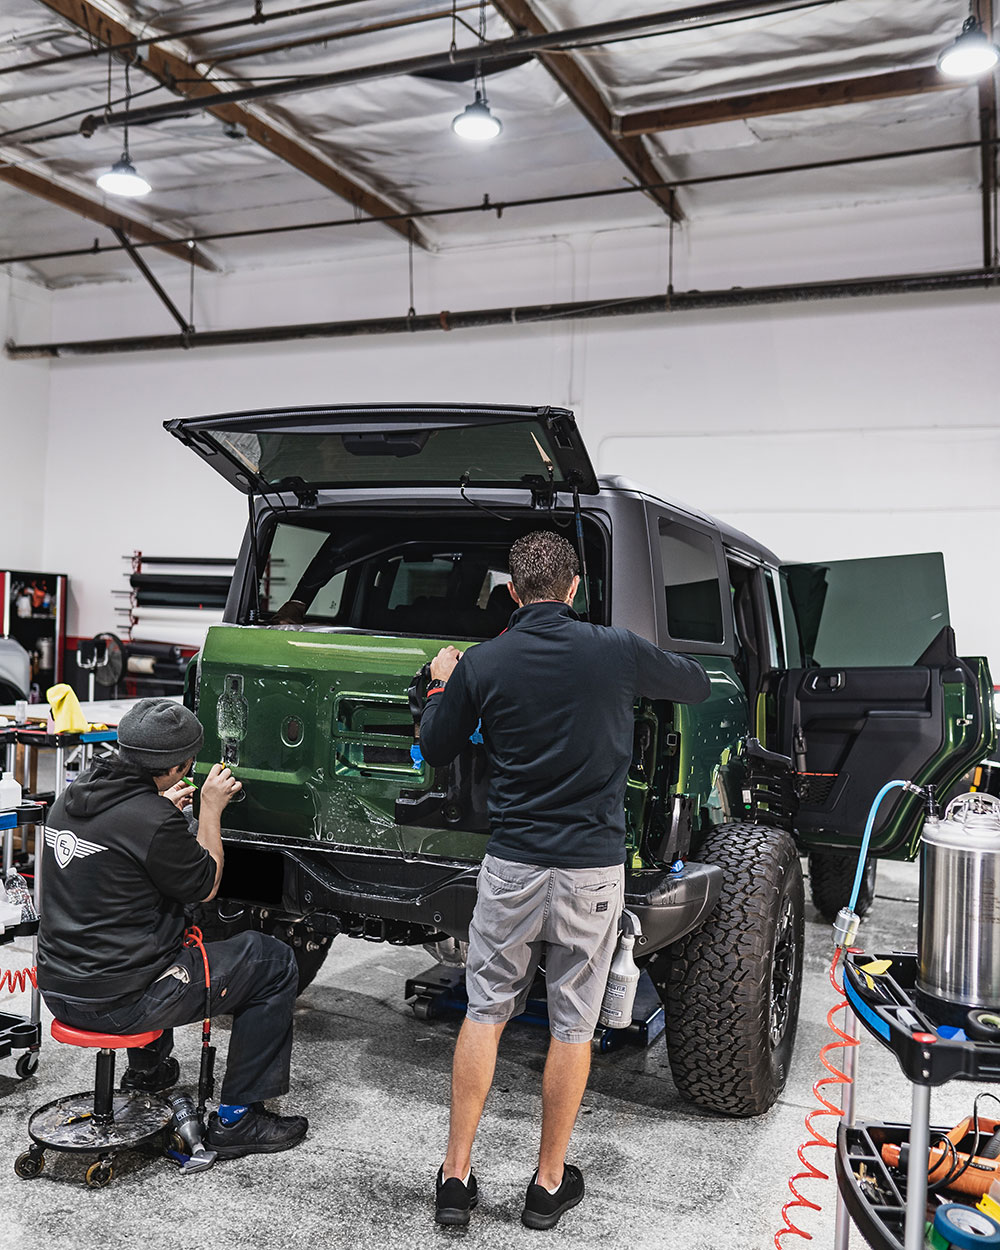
{"type": "Point", "coordinates": [374, 1081]}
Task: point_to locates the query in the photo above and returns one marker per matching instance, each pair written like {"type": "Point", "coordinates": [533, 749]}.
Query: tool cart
{"type": "Point", "coordinates": [20, 1035]}
{"type": "Point", "coordinates": [887, 1205]}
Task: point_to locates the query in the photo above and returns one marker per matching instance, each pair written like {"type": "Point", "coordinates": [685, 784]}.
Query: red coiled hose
{"type": "Point", "coordinates": [14, 980]}
{"type": "Point", "coordinates": [836, 1077]}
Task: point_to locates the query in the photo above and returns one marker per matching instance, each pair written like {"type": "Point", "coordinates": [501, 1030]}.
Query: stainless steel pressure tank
{"type": "Point", "coordinates": [959, 928]}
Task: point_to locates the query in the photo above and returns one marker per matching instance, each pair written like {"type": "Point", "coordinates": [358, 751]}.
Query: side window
{"type": "Point", "coordinates": [691, 584]}
{"type": "Point", "coordinates": [793, 642]}
{"type": "Point", "coordinates": [292, 550]}
{"type": "Point", "coordinates": [772, 623]}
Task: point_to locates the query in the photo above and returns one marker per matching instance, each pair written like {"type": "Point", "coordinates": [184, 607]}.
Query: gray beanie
{"type": "Point", "coordinates": [159, 734]}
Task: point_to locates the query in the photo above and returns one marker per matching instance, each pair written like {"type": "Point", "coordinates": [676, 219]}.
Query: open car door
{"type": "Point", "coordinates": [880, 694]}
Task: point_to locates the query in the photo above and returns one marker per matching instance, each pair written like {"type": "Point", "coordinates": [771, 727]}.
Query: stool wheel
{"type": "Point", "coordinates": [99, 1174]}
{"type": "Point", "coordinates": [27, 1065]}
{"type": "Point", "coordinates": [29, 1165]}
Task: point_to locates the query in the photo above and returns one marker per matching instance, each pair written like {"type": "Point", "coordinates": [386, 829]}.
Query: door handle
{"type": "Point", "coordinates": [825, 683]}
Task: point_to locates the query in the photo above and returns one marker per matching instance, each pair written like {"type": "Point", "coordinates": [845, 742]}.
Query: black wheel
{"type": "Point", "coordinates": [831, 879]}
{"type": "Point", "coordinates": [99, 1174]}
{"type": "Point", "coordinates": [29, 1165]}
{"type": "Point", "coordinates": [731, 988]}
{"type": "Point", "coordinates": [27, 1065]}
{"type": "Point", "coordinates": [309, 961]}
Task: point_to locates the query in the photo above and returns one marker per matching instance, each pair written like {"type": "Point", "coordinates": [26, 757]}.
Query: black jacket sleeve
{"type": "Point", "coordinates": [667, 675]}
{"type": "Point", "coordinates": [449, 718]}
{"type": "Point", "coordinates": [177, 863]}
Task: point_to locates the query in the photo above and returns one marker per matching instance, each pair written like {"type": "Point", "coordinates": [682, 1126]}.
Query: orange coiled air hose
{"type": "Point", "coordinates": [816, 1138]}
{"type": "Point", "coordinates": [14, 980]}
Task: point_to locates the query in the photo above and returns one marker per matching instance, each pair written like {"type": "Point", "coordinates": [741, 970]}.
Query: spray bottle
{"type": "Point", "coordinates": [619, 997]}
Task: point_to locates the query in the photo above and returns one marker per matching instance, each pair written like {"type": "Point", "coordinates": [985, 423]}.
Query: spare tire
{"type": "Point", "coordinates": [731, 987]}
{"type": "Point", "coordinates": [831, 879]}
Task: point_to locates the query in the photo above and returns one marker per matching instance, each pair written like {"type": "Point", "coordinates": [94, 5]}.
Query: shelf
{"type": "Point", "coordinates": [890, 1010]}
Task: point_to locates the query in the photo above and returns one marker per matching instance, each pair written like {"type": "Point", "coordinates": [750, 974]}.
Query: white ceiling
{"type": "Point", "coordinates": [393, 134]}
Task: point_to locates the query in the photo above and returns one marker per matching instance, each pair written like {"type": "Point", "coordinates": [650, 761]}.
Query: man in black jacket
{"type": "Point", "coordinates": [555, 698]}
{"type": "Point", "coordinates": [120, 864]}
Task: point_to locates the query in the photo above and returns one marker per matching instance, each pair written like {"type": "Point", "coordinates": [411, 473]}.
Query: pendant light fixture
{"type": "Point", "coordinates": [476, 123]}
{"type": "Point", "coordinates": [971, 55]}
{"type": "Point", "coordinates": [123, 178]}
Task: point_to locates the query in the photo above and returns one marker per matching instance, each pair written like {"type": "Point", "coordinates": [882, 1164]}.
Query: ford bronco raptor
{"type": "Point", "coordinates": [379, 534]}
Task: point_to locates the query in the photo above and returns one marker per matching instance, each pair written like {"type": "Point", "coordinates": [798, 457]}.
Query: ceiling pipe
{"type": "Point", "coordinates": [662, 22]}
{"type": "Point", "coordinates": [98, 49]}
{"type": "Point", "coordinates": [531, 314]}
{"type": "Point", "coordinates": [499, 207]}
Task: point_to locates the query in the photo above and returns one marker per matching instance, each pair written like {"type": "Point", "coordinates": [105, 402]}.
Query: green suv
{"type": "Point", "coordinates": [379, 534]}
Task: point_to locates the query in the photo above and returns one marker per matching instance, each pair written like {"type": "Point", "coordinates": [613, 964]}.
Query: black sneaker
{"type": "Point", "coordinates": [164, 1076]}
{"type": "Point", "coordinates": [257, 1132]}
{"type": "Point", "coordinates": [542, 1209]}
{"type": "Point", "coordinates": [455, 1199]}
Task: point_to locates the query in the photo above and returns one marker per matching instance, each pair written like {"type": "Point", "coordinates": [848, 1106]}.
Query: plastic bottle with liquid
{"type": "Point", "coordinates": [623, 979]}
{"type": "Point", "coordinates": [10, 793]}
{"type": "Point", "coordinates": [19, 894]}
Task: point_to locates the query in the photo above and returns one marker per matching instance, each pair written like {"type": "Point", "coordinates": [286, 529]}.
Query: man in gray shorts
{"type": "Point", "coordinates": [555, 698]}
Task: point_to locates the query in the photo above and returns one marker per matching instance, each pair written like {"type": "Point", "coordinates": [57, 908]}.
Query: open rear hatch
{"type": "Point", "coordinates": [302, 451]}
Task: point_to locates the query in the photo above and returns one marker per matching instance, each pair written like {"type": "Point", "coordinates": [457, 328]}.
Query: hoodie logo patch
{"type": "Point", "coordinates": [66, 846]}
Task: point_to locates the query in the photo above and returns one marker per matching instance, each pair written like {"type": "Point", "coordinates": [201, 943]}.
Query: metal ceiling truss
{"type": "Point", "coordinates": [184, 77]}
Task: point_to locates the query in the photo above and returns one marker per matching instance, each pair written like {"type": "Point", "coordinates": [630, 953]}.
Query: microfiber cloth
{"type": "Point", "coordinates": [66, 712]}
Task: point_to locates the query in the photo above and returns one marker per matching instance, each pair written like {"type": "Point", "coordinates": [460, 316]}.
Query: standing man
{"type": "Point", "coordinates": [555, 696]}
{"type": "Point", "coordinates": [120, 865]}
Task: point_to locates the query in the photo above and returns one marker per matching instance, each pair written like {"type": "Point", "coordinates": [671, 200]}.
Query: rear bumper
{"type": "Point", "coordinates": [368, 890]}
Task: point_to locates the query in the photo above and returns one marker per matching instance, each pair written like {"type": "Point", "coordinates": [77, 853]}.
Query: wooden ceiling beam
{"type": "Point", "coordinates": [895, 83]}
{"type": "Point", "coordinates": [184, 77]}
{"type": "Point", "coordinates": [588, 100]}
{"type": "Point", "coordinates": [44, 187]}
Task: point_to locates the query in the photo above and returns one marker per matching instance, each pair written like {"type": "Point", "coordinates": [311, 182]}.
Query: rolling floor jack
{"type": "Point", "coordinates": [440, 992]}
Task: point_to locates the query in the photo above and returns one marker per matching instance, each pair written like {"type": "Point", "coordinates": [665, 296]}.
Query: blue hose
{"type": "Point", "coordinates": [863, 853]}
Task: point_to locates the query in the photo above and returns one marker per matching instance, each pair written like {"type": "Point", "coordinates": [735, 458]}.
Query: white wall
{"type": "Point", "coordinates": [24, 410]}
{"type": "Point", "coordinates": [825, 430]}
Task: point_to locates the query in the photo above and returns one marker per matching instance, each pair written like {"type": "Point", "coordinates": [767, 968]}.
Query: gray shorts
{"type": "Point", "coordinates": [565, 917]}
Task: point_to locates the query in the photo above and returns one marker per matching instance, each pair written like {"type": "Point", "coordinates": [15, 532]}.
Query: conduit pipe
{"type": "Point", "coordinates": [660, 22]}
{"type": "Point", "coordinates": [471, 319]}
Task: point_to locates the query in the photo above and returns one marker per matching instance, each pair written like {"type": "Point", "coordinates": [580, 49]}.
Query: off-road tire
{"type": "Point", "coordinates": [731, 1007]}
{"type": "Point", "coordinates": [215, 928]}
{"type": "Point", "coordinates": [831, 878]}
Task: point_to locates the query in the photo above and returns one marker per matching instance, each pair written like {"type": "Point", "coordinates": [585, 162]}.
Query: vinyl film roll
{"type": "Point", "coordinates": [141, 664]}
{"type": "Point", "coordinates": [177, 616]}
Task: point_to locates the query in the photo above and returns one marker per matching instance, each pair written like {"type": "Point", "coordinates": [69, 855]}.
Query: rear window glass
{"type": "Point", "coordinates": [507, 452]}
{"type": "Point", "coordinates": [374, 580]}
{"type": "Point", "coordinates": [881, 612]}
{"type": "Point", "coordinates": [691, 584]}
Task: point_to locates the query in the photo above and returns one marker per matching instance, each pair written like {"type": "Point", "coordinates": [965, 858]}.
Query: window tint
{"type": "Point", "coordinates": [793, 644]}
{"type": "Point", "coordinates": [775, 651]}
{"type": "Point", "coordinates": [292, 551]}
{"type": "Point", "coordinates": [863, 613]}
{"type": "Point", "coordinates": [691, 584]}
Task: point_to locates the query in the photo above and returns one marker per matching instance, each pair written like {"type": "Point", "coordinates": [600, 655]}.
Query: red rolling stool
{"type": "Point", "coordinates": [101, 1120]}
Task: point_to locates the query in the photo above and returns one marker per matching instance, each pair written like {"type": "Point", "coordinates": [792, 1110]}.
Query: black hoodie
{"type": "Point", "coordinates": [119, 863]}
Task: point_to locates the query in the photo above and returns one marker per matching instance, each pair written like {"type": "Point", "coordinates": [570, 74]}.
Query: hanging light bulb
{"type": "Point", "coordinates": [476, 123]}
{"type": "Point", "coordinates": [122, 179]}
{"type": "Point", "coordinates": [970, 55]}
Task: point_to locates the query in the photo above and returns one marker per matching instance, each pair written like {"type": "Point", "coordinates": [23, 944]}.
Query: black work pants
{"type": "Point", "coordinates": [254, 978]}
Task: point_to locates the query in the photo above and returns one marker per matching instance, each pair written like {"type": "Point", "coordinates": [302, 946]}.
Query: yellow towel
{"type": "Point", "coordinates": [66, 710]}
